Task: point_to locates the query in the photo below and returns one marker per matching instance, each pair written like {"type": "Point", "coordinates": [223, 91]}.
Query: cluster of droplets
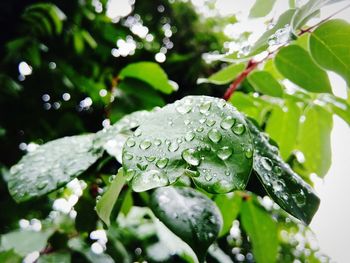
{"type": "Point", "coordinates": [280, 37]}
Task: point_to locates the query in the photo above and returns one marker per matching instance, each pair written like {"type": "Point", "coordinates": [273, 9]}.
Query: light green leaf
{"type": "Point", "coordinates": [189, 214]}
{"type": "Point", "coordinates": [283, 185]}
{"type": "Point", "coordinates": [262, 231]}
{"type": "Point", "coordinates": [105, 205]}
{"type": "Point", "coordinates": [261, 8]}
{"type": "Point", "coordinates": [224, 76]}
{"type": "Point", "coordinates": [24, 242]}
{"type": "Point", "coordinates": [265, 83]}
{"type": "Point", "coordinates": [296, 64]}
{"type": "Point", "coordinates": [10, 256]}
{"type": "Point", "coordinates": [56, 257]}
{"type": "Point", "coordinates": [202, 137]}
{"type": "Point", "coordinates": [229, 205]}
{"type": "Point", "coordinates": [149, 72]}
{"type": "Point", "coordinates": [330, 47]}
{"type": "Point", "coordinates": [51, 166]}
{"type": "Point", "coordinates": [283, 125]}
{"type": "Point", "coordinates": [314, 140]}
{"type": "Point", "coordinates": [337, 105]}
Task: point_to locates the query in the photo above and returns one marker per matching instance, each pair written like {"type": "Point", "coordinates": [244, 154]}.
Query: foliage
{"type": "Point", "coordinates": [167, 177]}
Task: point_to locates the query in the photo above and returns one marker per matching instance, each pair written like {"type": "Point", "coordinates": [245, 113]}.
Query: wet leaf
{"type": "Point", "coordinates": [284, 186]}
{"type": "Point", "coordinates": [265, 83]}
{"type": "Point", "coordinates": [55, 257]}
{"type": "Point", "coordinates": [51, 166]}
{"type": "Point", "coordinates": [201, 137]}
{"type": "Point", "coordinates": [189, 214]}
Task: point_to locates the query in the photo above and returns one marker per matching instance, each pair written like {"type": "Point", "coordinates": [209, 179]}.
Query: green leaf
{"type": "Point", "coordinates": [337, 105]}
{"type": "Point", "coordinates": [265, 83]}
{"type": "Point", "coordinates": [262, 231]}
{"type": "Point", "coordinates": [229, 205]}
{"type": "Point", "coordinates": [105, 205]}
{"type": "Point", "coordinates": [202, 137]}
{"type": "Point", "coordinates": [283, 125]}
{"type": "Point", "coordinates": [51, 166]}
{"type": "Point", "coordinates": [314, 140]}
{"type": "Point", "coordinates": [10, 256]}
{"type": "Point", "coordinates": [296, 64]}
{"type": "Point", "coordinates": [149, 72]}
{"type": "Point", "coordinates": [261, 8]}
{"type": "Point", "coordinates": [55, 257]}
{"type": "Point", "coordinates": [330, 47]}
{"type": "Point", "coordinates": [284, 186]}
{"type": "Point", "coordinates": [24, 242]}
{"type": "Point", "coordinates": [189, 214]}
{"type": "Point", "coordinates": [77, 244]}
{"type": "Point", "coordinates": [224, 76]}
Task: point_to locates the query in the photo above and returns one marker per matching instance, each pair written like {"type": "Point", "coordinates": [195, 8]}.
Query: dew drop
{"type": "Point", "coordinates": [130, 174]}
{"type": "Point", "coordinates": [162, 163]}
{"type": "Point", "coordinates": [227, 123]}
{"type": "Point", "coordinates": [148, 180]}
{"type": "Point", "coordinates": [111, 178]}
{"type": "Point", "coordinates": [191, 157]}
{"type": "Point", "coordinates": [277, 170]}
{"type": "Point", "coordinates": [187, 122]}
{"type": "Point", "coordinates": [201, 121]}
{"type": "Point", "coordinates": [150, 158]}
{"type": "Point", "coordinates": [138, 133]}
{"type": "Point", "coordinates": [210, 122]}
{"type": "Point", "coordinates": [41, 185]}
{"type": "Point", "coordinates": [191, 173]}
{"type": "Point", "coordinates": [130, 142]}
{"type": "Point", "coordinates": [249, 152]}
{"type": "Point", "coordinates": [205, 107]}
{"type": "Point", "coordinates": [200, 129]}
{"type": "Point", "coordinates": [214, 135]}
{"type": "Point", "coordinates": [142, 166]}
{"type": "Point", "coordinates": [173, 147]}
{"type": "Point", "coordinates": [222, 186]}
{"type": "Point", "coordinates": [145, 144]}
{"type": "Point", "coordinates": [300, 198]}
{"type": "Point", "coordinates": [189, 136]}
{"type": "Point", "coordinates": [277, 185]}
{"type": "Point", "coordinates": [128, 156]}
{"type": "Point", "coordinates": [208, 177]}
{"type": "Point", "coordinates": [157, 142]}
{"type": "Point", "coordinates": [238, 129]}
{"type": "Point", "coordinates": [224, 153]}
{"type": "Point", "coordinates": [266, 163]}
{"type": "Point", "coordinates": [184, 108]}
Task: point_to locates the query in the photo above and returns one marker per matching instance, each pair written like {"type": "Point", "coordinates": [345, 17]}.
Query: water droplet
{"type": "Point", "coordinates": [111, 178]}
{"type": "Point", "coordinates": [249, 152]}
{"type": "Point", "coordinates": [224, 153]}
{"type": "Point", "coordinates": [201, 121]}
{"type": "Point", "coordinates": [162, 163]}
{"type": "Point", "coordinates": [150, 158]}
{"type": "Point", "coordinates": [41, 185]}
{"type": "Point", "coordinates": [214, 135]}
{"type": "Point", "coordinates": [148, 180]}
{"type": "Point", "coordinates": [173, 147]}
{"type": "Point", "coordinates": [184, 108]}
{"type": "Point", "coordinates": [130, 142]}
{"type": "Point", "coordinates": [187, 122]}
{"type": "Point", "coordinates": [205, 107]}
{"type": "Point", "coordinates": [277, 185]}
{"type": "Point", "coordinates": [157, 142]}
{"type": "Point", "coordinates": [145, 144]}
{"type": "Point", "coordinates": [191, 173]}
{"type": "Point", "coordinates": [191, 157]}
{"type": "Point", "coordinates": [227, 173]}
{"type": "Point", "coordinates": [138, 132]}
{"type": "Point", "coordinates": [277, 170]}
{"type": "Point", "coordinates": [238, 129]}
{"type": "Point", "coordinates": [266, 163]}
{"type": "Point", "coordinates": [210, 122]}
{"type": "Point", "coordinates": [189, 136]}
{"type": "Point", "coordinates": [142, 166]}
{"type": "Point", "coordinates": [222, 186]}
{"type": "Point", "coordinates": [128, 156]}
{"type": "Point", "coordinates": [208, 177]}
{"type": "Point", "coordinates": [300, 198]}
{"type": "Point", "coordinates": [130, 174]}
{"type": "Point", "coordinates": [227, 123]}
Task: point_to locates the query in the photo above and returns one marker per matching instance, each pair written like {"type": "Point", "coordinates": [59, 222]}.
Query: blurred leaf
{"type": "Point", "coordinates": [337, 105]}
{"type": "Point", "coordinates": [261, 8]}
{"type": "Point", "coordinates": [224, 76]}
{"type": "Point", "coordinates": [330, 47]}
{"type": "Point", "coordinates": [150, 73]}
{"type": "Point", "coordinates": [261, 229]}
{"type": "Point", "coordinates": [56, 257]}
{"type": "Point", "coordinates": [105, 205]}
{"type": "Point", "coordinates": [284, 186]}
{"type": "Point", "coordinates": [189, 214]}
{"type": "Point", "coordinates": [296, 64]}
{"type": "Point", "coordinates": [283, 126]}
{"type": "Point", "coordinates": [229, 205]}
{"type": "Point", "coordinates": [314, 140]}
{"type": "Point", "coordinates": [265, 83]}
{"type": "Point", "coordinates": [51, 166]}
{"type": "Point", "coordinates": [24, 242]}
{"type": "Point", "coordinates": [194, 127]}
{"type": "Point", "coordinates": [9, 256]}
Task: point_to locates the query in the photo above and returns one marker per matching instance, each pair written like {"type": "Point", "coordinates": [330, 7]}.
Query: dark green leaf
{"type": "Point", "coordinates": [225, 75]}
{"type": "Point", "coordinates": [229, 205]}
{"type": "Point", "coordinates": [296, 64]}
{"type": "Point", "coordinates": [330, 47]}
{"type": "Point", "coordinates": [284, 186]}
{"type": "Point", "coordinates": [283, 125]}
{"type": "Point", "coordinates": [314, 140]}
{"type": "Point", "coordinates": [9, 256]}
{"type": "Point", "coordinates": [261, 8]}
{"type": "Point", "coordinates": [261, 229]}
{"type": "Point", "coordinates": [265, 83]}
{"type": "Point", "coordinates": [56, 257]}
{"type": "Point", "coordinates": [51, 166]}
{"type": "Point", "coordinates": [189, 214]}
{"type": "Point", "coordinates": [105, 205]}
{"type": "Point", "coordinates": [202, 137]}
{"type": "Point", "coordinates": [150, 73]}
